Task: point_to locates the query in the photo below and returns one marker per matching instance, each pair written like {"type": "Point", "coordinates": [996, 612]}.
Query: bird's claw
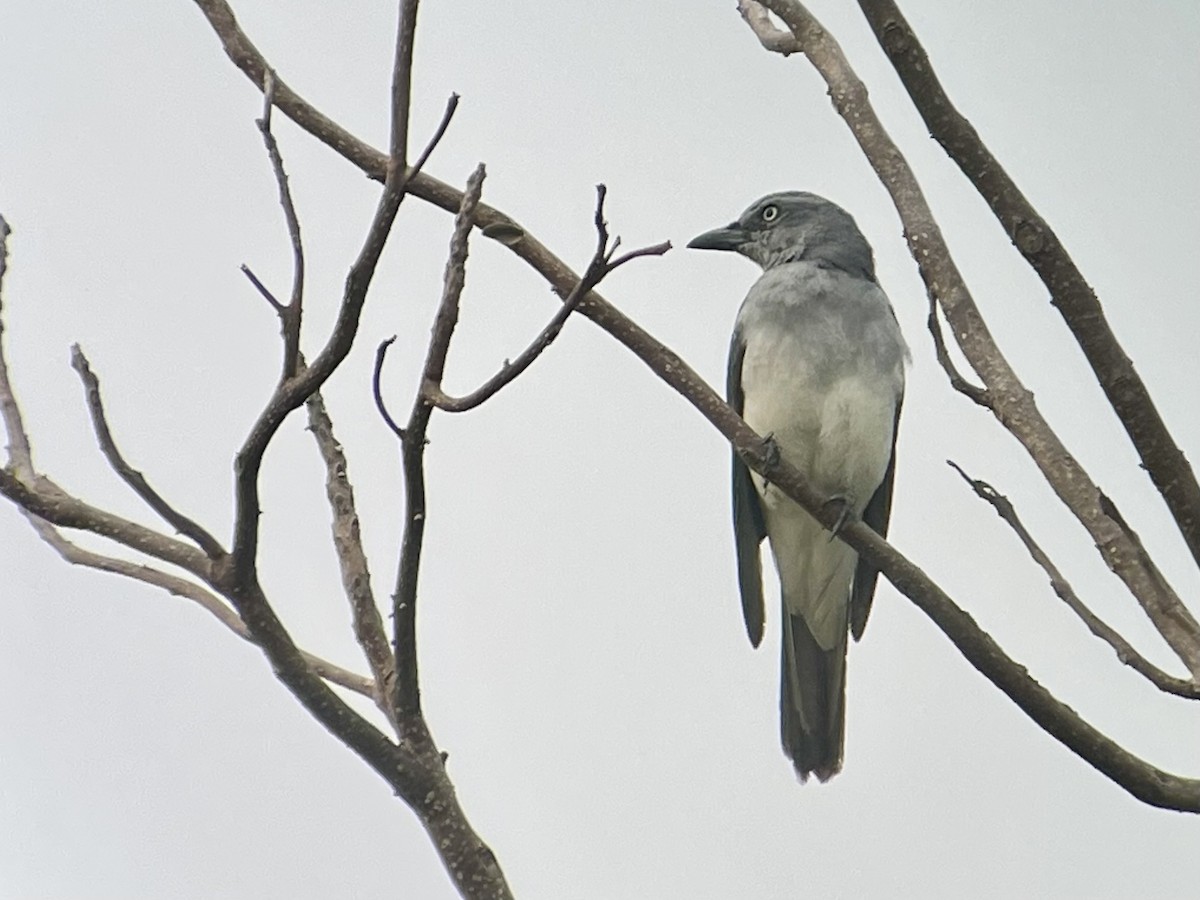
{"type": "Point", "coordinates": [771, 450]}
{"type": "Point", "coordinates": [847, 505]}
{"type": "Point", "coordinates": [773, 456]}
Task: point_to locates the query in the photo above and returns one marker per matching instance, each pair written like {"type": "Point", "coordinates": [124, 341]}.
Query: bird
{"type": "Point", "coordinates": [816, 367]}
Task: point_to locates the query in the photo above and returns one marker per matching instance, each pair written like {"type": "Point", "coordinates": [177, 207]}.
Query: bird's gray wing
{"type": "Point", "coordinates": [877, 513]}
{"type": "Point", "coordinates": [749, 528]}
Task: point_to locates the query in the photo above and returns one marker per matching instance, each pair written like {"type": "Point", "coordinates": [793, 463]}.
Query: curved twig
{"type": "Point", "coordinates": [377, 387]}
{"type": "Point", "coordinates": [972, 392]}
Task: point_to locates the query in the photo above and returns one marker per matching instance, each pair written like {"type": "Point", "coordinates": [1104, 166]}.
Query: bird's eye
{"type": "Point", "coordinates": [770, 213]}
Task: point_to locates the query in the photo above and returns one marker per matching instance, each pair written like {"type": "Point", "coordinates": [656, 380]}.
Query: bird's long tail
{"type": "Point", "coordinates": [812, 705]}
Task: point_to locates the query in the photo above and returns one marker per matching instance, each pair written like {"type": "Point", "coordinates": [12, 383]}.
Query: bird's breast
{"type": "Point", "coordinates": [832, 418]}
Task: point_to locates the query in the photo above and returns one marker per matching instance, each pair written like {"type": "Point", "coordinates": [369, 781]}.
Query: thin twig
{"type": "Point", "coordinates": [404, 600]}
{"type": "Point", "coordinates": [377, 387]}
{"type": "Point", "coordinates": [1040, 246]}
{"type": "Point", "coordinates": [957, 381]}
{"type": "Point", "coordinates": [431, 145]}
{"type": "Point", "coordinates": [40, 500]}
{"type": "Point", "coordinates": [601, 264]}
{"type": "Point", "coordinates": [44, 498]}
{"type": "Point", "coordinates": [184, 525]}
{"type": "Point", "coordinates": [264, 290]}
{"type": "Point", "coordinates": [291, 314]}
{"type": "Point", "coordinates": [1125, 651]}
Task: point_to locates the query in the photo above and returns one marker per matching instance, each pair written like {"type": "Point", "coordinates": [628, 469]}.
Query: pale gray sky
{"type": "Point", "coordinates": [610, 730]}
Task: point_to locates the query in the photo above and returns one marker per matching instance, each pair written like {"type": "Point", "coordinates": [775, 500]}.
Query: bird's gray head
{"type": "Point", "coordinates": [792, 226]}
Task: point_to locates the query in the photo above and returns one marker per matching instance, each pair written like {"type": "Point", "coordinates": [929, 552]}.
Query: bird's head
{"type": "Point", "coordinates": [794, 226]}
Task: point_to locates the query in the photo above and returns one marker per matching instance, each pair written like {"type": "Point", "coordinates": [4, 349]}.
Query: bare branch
{"type": "Point", "coordinates": [601, 264]}
{"type": "Point", "coordinates": [347, 541]}
{"type": "Point", "coordinates": [45, 499]}
{"type": "Point", "coordinates": [189, 590]}
{"type": "Point", "coordinates": [131, 476]}
{"type": "Point", "coordinates": [652, 250]}
{"type": "Point", "coordinates": [352, 559]}
{"type": "Point", "coordinates": [415, 769]}
{"type": "Point", "coordinates": [1011, 402]}
{"type": "Point", "coordinates": [1144, 781]}
{"type": "Point", "coordinates": [1039, 245]}
{"type": "Point", "coordinates": [295, 390]}
{"type": "Point", "coordinates": [1125, 651]}
{"type": "Point", "coordinates": [438, 134]}
{"type": "Point", "coordinates": [291, 314]}
{"type": "Point", "coordinates": [412, 444]}
{"type": "Point", "coordinates": [5, 231]}
{"type": "Point", "coordinates": [406, 32]}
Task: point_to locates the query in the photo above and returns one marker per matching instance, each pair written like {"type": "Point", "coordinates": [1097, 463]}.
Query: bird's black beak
{"type": "Point", "coordinates": [730, 237]}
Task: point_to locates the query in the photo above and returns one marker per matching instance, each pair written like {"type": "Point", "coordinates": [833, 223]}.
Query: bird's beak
{"type": "Point", "coordinates": [730, 237]}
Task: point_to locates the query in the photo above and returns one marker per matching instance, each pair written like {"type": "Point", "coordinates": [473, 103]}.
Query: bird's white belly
{"type": "Point", "coordinates": [839, 434]}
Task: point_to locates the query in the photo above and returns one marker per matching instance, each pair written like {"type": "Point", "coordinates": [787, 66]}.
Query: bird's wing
{"type": "Point", "coordinates": [749, 528]}
{"type": "Point", "coordinates": [877, 513]}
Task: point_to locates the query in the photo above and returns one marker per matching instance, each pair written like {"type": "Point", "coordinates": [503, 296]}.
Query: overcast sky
{"type": "Point", "coordinates": [610, 730]}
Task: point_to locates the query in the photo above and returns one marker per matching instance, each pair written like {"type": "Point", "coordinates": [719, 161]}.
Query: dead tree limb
{"type": "Point", "coordinates": [1036, 241]}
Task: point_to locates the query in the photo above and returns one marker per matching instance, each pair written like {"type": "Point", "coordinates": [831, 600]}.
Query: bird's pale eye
{"type": "Point", "coordinates": [770, 213]}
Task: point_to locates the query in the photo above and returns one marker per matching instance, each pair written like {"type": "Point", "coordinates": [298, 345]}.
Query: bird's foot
{"type": "Point", "coordinates": [771, 451]}
{"type": "Point", "coordinates": [846, 502]}
{"type": "Point", "coordinates": [770, 448]}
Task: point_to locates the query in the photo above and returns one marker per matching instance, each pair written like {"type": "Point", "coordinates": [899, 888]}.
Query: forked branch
{"type": "Point", "coordinates": [20, 464]}
{"type": "Point", "coordinates": [347, 539]}
{"type": "Point", "coordinates": [603, 261]}
{"type": "Point", "coordinates": [412, 446]}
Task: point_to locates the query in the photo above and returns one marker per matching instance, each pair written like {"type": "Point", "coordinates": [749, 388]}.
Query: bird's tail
{"type": "Point", "coordinates": [812, 707]}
